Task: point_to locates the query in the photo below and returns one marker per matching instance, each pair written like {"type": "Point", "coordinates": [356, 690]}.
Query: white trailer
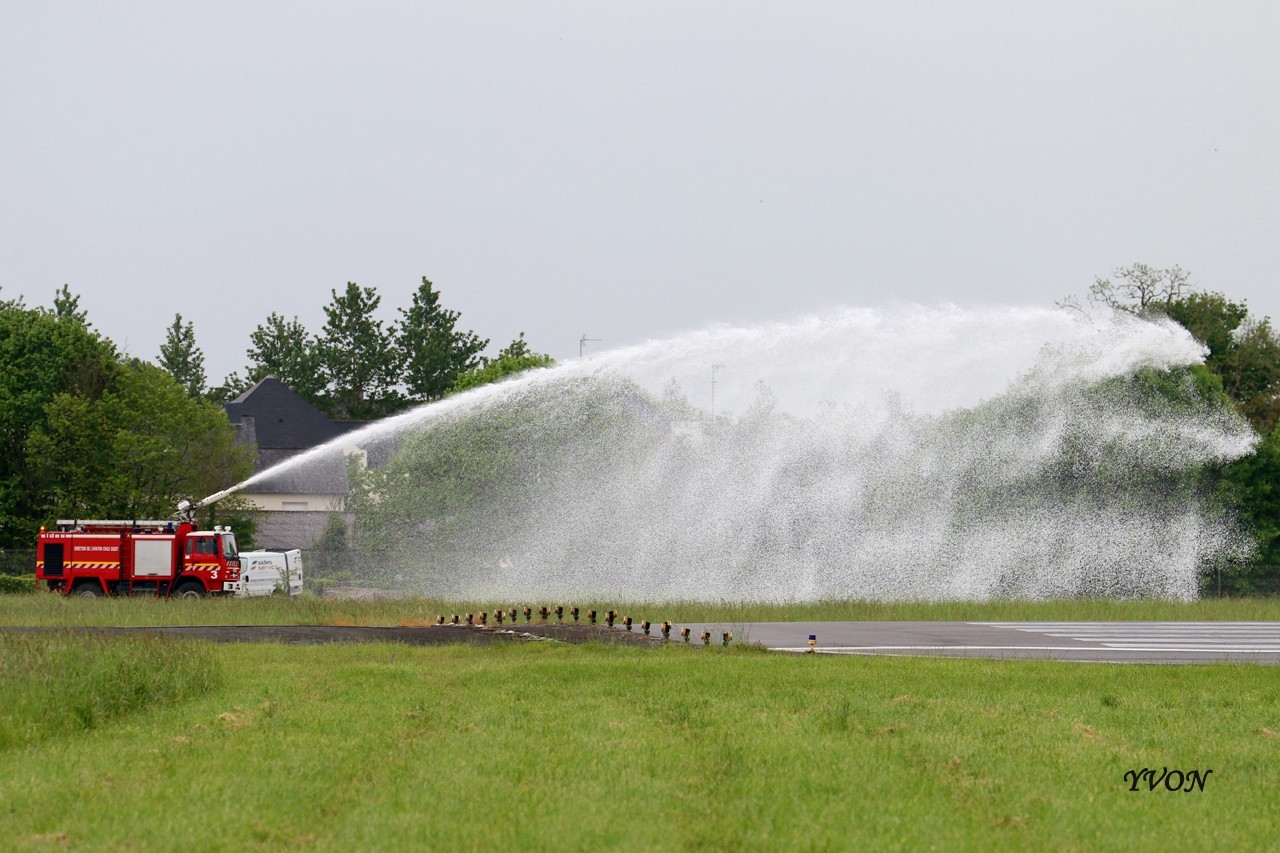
{"type": "Point", "coordinates": [270, 572]}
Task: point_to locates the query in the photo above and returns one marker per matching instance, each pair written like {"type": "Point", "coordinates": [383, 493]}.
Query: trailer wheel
{"type": "Point", "coordinates": [190, 589]}
{"type": "Point", "coordinates": [88, 589]}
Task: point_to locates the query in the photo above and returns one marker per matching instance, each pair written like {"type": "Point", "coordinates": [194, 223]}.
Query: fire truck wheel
{"type": "Point", "coordinates": [87, 590]}
{"type": "Point", "coordinates": [190, 589]}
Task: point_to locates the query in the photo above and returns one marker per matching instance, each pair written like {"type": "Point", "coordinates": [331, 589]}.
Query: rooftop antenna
{"type": "Point", "coordinates": [714, 368]}
{"type": "Point", "coordinates": [583, 341]}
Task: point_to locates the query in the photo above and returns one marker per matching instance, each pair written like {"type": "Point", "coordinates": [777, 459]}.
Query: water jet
{"type": "Point", "coordinates": [927, 453]}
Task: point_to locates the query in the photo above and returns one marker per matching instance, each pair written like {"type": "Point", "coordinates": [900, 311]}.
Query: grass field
{"type": "Point", "coordinates": [545, 746]}
{"type": "Point", "coordinates": [154, 744]}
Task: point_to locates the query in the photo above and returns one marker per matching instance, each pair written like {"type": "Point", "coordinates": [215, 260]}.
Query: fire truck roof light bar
{"type": "Point", "coordinates": [108, 522]}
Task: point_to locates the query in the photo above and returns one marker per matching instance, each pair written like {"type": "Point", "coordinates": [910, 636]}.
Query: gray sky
{"type": "Point", "coordinates": [625, 170]}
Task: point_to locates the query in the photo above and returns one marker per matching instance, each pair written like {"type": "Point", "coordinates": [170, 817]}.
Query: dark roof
{"type": "Point", "coordinates": [280, 422]}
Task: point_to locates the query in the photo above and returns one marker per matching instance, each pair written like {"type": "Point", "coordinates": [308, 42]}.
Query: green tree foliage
{"type": "Point", "coordinates": [515, 358]}
{"type": "Point", "coordinates": [66, 306]}
{"type": "Point", "coordinates": [432, 349]}
{"type": "Point", "coordinates": [1244, 363]}
{"type": "Point", "coordinates": [170, 446]}
{"type": "Point", "coordinates": [1253, 484]}
{"type": "Point", "coordinates": [83, 433]}
{"type": "Point", "coordinates": [1251, 374]}
{"type": "Point", "coordinates": [1243, 352]}
{"type": "Point", "coordinates": [233, 385]}
{"type": "Point", "coordinates": [182, 358]}
{"type": "Point", "coordinates": [357, 355]}
{"type": "Point", "coordinates": [284, 349]}
{"type": "Point", "coordinates": [45, 359]}
{"type": "Point", "coordinates": [18, 304]}
{"type": "Point", "coordinates": [1213, 319]}
{"type": "Point", "coordinates": [134, 451]}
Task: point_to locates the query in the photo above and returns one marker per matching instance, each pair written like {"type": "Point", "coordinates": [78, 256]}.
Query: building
{"type": "Point", "coordinates": [297, 502]}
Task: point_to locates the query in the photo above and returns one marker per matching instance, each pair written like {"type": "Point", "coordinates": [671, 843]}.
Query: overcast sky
{"type": "Point", "coordinates": [625, 170]}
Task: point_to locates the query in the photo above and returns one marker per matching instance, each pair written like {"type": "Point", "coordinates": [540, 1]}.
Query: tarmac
{"type": "Point", "coordinates": [1114, 642]}
{"type": "Point", "coordinates": [1105, 642]}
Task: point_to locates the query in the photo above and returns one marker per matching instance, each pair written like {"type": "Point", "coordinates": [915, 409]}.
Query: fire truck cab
{"type": "Point", "coordinates": [162, 558]}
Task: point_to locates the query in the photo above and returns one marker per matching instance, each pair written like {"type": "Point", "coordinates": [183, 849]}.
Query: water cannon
{"type": "Point", "coordinates": [187, 509]}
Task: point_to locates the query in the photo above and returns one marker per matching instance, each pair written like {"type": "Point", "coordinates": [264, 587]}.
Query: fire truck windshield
{"type": "Point", "coordinates": [229, 547]}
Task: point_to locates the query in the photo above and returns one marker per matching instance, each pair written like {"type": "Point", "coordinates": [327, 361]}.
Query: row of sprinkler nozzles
{"type": "Point", "coordinates": [482, 618]}
{"type": "Point", "coordinates": [610, 617]}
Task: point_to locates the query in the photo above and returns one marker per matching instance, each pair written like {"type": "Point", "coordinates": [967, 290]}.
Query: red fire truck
{"type": "Point", "coordinates": [163, 558]}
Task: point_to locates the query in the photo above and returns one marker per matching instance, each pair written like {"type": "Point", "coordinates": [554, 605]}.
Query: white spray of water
{"type": "Point", "coordinates": [911, 453]}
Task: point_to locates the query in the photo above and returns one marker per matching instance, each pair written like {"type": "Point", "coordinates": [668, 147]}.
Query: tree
{"type": "Point", "coordinates": [357, 354]}
{"type": "Point", "coordinates": [44, 360]}
{"type": "Point", "coordinates": [1253, 485]}
{"type": "Point", "coordinates": [284, 349]}
{"type": "Point", "coordinates": [433, 351]}
{"type": "Point", "coordinates": [170, 446]}
{"type": "Point", "coordinates": [18, 304]}
{"type": "Point", "coordinates": [1212, 319]}
{"type": "Point", "coordinates": [233, 385]}
{"type": "Point", "coordinates": [66, 306]}
{"type": "Point", "coordinates": [182, 358]}
{"type": "Point", "coordinates": [1140, 289]}
{"type": "Point", "coordinates": [1243, 352]}
{"type": "Point", "coordinates": [84, 434]}
{"type": "Point", "coordinates": [1250, 372]}
{"type": "Point", "coordinates": [134, 451]}
{"type": "Point", "coordinates": [515, 358]}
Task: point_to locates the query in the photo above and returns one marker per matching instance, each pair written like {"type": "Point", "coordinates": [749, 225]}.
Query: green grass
{"type": "Point", "coordinates": [60, 685]}
{"type": "Point", "coordinates": [48, 609]}
{"type": "Point", "coordinates": [545, 746]}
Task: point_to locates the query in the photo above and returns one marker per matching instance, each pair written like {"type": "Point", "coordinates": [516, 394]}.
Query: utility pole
{"type": "Point", "coordinates": [714, 368]}
{"type": "Point", "coordinates": [583, 341]}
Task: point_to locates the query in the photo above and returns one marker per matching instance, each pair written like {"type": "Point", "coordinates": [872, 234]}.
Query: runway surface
{"type": "Point", "coordinates": [1117, 642]}
{"type": "Point", "coordinates": [1120, 642]}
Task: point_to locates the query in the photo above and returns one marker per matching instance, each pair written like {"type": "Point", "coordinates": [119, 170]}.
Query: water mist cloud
{"type": "Point", "coordinates": [880, 454]}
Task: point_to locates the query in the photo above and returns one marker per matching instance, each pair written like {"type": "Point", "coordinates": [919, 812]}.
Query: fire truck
{"type": "Point", "coordinates": [161, 558]}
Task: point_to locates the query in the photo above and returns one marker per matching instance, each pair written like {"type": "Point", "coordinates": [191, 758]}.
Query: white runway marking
{"type": "Point", "coordinates": [1112, 642]}
{"type": "Point", "coordinates": [1224, 637]}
